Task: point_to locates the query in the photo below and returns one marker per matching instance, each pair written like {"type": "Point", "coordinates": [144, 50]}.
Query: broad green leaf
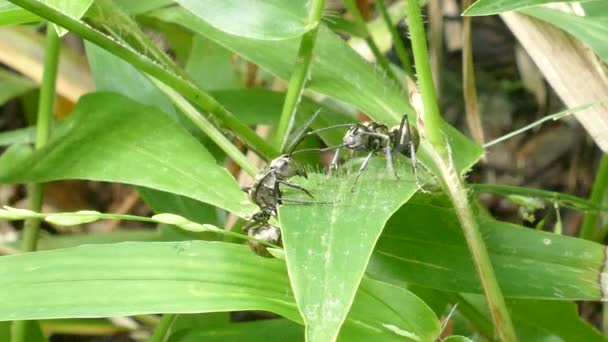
{"type": "Point", "coordinates": [353, 80]}
{"type": "Point", "coordinates": [18, 136]}
{"type": "Point", "coordinates": [27, 331]}
{"type": "Point", "coordinates": [142, 277]}
{"type": "Point", "coordinates": [542, 320]}
{"type": "Point", "coordinates": [111, 138]}
{"type": "Point", "coordinates": [423, 244]}
{"type": "Point", "coordinates": [111, 73]}
{"type": "Point", "coordinates": [72, 8]}
{"type": "Point", "coordinates": [135, 7]}
{"type": "Point", "coordinates": [488, 7]}
{"type": "Point", "coordinates": [592, 31]}
{"type": "Point", "coordinates": [12, 15]}
{"type": "Point", "coordinates": [12, 85]}
{"type": "Point", "coordinates": [5, 331]}
{"type": "Point", "coordinates": [395, 313]}
{"type": "Point", "coordinates": [260, 19]}
{"type": "Point", "coordinates": [557, 318]}
{"type": "Point", "coordinates": [595, 8]}
{"type": "Point", "coordinates": [328, 246]}
{"type": "Point", "coordinates": [212, 66]}
{"type": "Point", "coordinates": [185, 277]}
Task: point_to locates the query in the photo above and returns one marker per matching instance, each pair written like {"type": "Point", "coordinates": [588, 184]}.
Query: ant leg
{"type": "Point", "coordinates": [249, 225]}
{"type": "Point", "coordinates": [296, 186]}
{"type": "Point", "coordinates": [334, 161]}
{"type": "Point", "coordinates": [361, 169]}
{"type": "Point", "coordinates": [303, 202]}
{"type": "Point", "coordinates": [389, 161]}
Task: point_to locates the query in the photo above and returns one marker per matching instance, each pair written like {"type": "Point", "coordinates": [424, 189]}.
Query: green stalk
{"type": "Point", "coordinates": [451, 181]}
{"type": "Point", "coordinates": [144, 64]}
{"type": "Point", "coordinates": [360, 22]}
{"type": "Point", "coordinates": [163, 329]}
{"type": "Point", "coordinates": [397, 41]}
{"type": "Point", "coordinates": [207, 127]}
{"type": "Point", "coordinates": [566, 200]}
{"type": "Point", "coordinates": [299, 76]}
{"type": "Point", "coordinates": [21, 329]}
{"type": "Point", "coordinates": [600, 186]}
{"type": "Point", "coordinates": [468, 81]}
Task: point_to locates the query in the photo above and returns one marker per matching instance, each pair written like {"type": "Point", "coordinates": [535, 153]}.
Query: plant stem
{"type": "Point", "coordinates": [400, 49]}
{"type": "Point", "coordinates": [360, 22]}
{"type": "Point", "coordinates": [567, 200]}
{"type": "Point", "coordinates": [468, 81]}
{"type": "Point", "coordinates": [299, 76]}
{"type": "Point", "coordinates": [207, 127]}
{"type": "Point", "coordinates": [553, 117]}
{"type": "Point", "coordinates": [163, 329]}
{"type": "Point", "coordinates": [20, 329]}
{"type": "Point", "coordinates": [452, 183]}
{"type": "Point", "coordinates": [600, 186]}
{"type": "Point", "coordinates": [144, 64]}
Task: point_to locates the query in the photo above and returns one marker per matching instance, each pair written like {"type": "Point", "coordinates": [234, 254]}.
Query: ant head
{"type": "Point", "coordinates": [353, 139]}
{"type": "Point", "coordinates": [284, 167]}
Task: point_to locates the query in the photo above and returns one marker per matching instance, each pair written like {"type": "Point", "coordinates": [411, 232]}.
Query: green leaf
{"type": "Point", "coordinates": [253, 19]}
{"type": "Point", "coordinates": [18, 136]}
{"type": "Point", "coordinates": [328, 246]}
{"type": "Point", "coordinates": [353, 80]}
{"type": "Point", "coordinates": [139, 278]}
{"type": "Point", "coordinates": [185, 277]}
{"type": "Point", "coordinates": [12, 85]}
{"type": "Point", "coordinates": [111, 138]}
{"type": "Point", "coordinates": [595, 8]}
{"type": "Point", "coordinates": [31, 332]}
{"type": "Point", "coordinates": [488, 7]}
{"type": "Point", "coordinates": [557, 318]}
{"type": "Point", "coordinates": [212, 66]}
{"type": "Point", "coordinates": [111, 73]}
{"type": "Point", "coordinates": [423, 244]}
{"type": "Point", "coordinates": [592, 31]}
{"type": "Point", "coordinates": [12, 15]}
{"type": "Point", "coordinates": [72, 8]}
{"type": "Point", "coordinates": [5, 331]}
{"type": "Point", "coordinates": [135, 7]}
{"type": "Point", "coordinates": [393, 313]}
{"type": "Point", "coordinates": [542, 320]}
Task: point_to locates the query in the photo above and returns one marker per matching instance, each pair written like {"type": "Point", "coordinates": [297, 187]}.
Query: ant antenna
{"type": "Point", "coordinates": [323, 149]}
{"type": "Point", "coordinates": [446, 320]}
{"type": "Point", "coordinates": [301, 134]}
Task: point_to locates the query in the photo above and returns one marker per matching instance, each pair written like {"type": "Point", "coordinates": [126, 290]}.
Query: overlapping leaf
{"type": "Point", "coordinates": [353, 80]}
{"type": "Point", "coordinates": [488, 7]}
{"type": "Point", "coordinates": [328, 246]}
{"type": "Point", "coordinates": [111, 138]}
{"type": "Point", "coordinates": [185, 277]}
{"type": "Point", "coordinates": [423, 244]}
{"type": "Point", "coordinates": [256, 19]}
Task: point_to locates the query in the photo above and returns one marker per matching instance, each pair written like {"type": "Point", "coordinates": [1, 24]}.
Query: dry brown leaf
{"type": "Point", "coordinates": [23, 50]}
{"type": "Point", "coordinates": [570, 69]}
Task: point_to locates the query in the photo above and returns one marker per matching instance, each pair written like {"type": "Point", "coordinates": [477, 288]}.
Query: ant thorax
{"type": "Point", "coordinates": [367, 136]}
{"type": "Point", "coordinates": [265, 191]}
